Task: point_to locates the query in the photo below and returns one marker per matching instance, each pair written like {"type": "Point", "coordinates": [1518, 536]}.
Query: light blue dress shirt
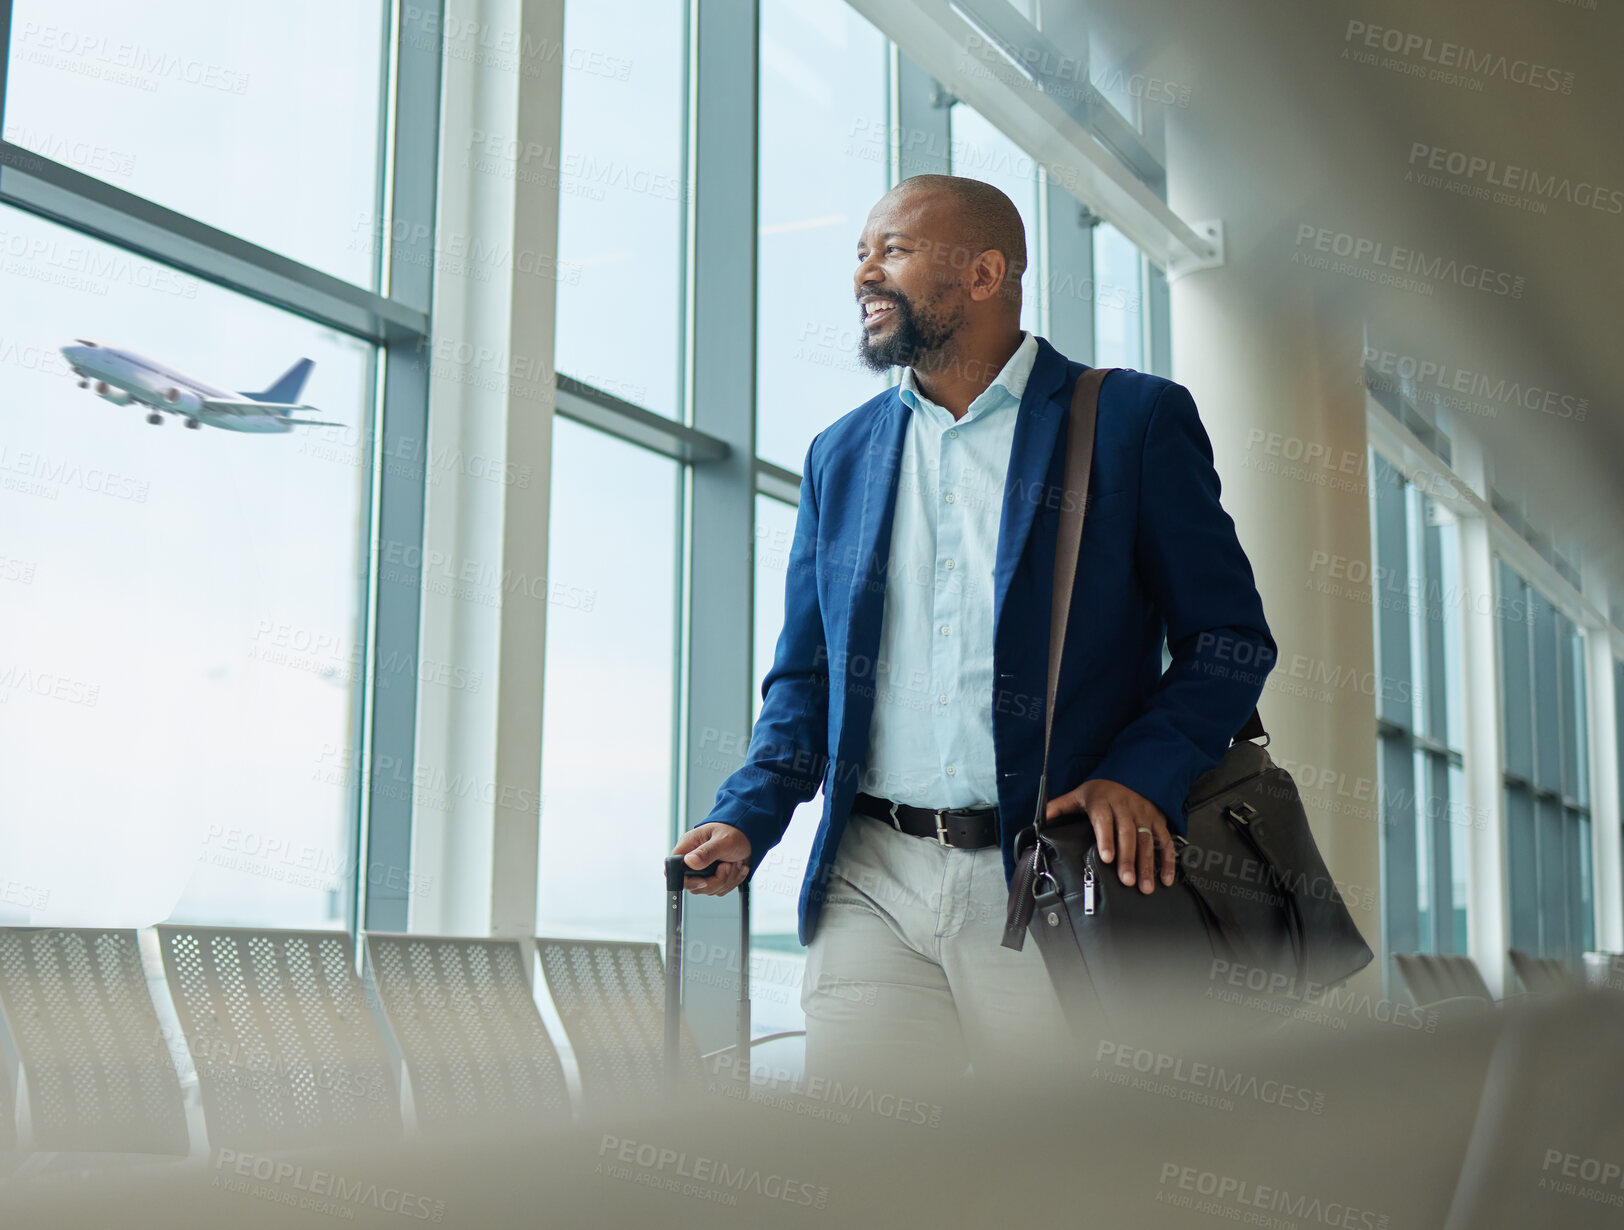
{"type": "Point", "coordinates": [930, 741]}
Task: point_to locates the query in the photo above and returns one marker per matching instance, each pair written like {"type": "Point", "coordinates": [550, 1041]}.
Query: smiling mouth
{"type": "Point", "coordinates": [876, 310]}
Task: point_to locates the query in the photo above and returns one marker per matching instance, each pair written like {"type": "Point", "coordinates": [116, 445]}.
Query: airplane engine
{"type": "Point", "coordinates": [183, 400]}
{"type": "Point", "coordinates": [117, 396]}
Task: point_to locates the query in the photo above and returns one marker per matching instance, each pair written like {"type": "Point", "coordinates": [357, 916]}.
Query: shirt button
{"type": "Point", "coordinates": [951, 771]}
{"type": "Point", "coordinates": [952, 435]}
{"type": "Point", "coordinates": [944, 630]}
{"type": "Point", "coordinates": [949, 497]}
{"type": "Point", "coordinates": [942, 699]}
{"type": "Point", "coordinates": [950, 565]}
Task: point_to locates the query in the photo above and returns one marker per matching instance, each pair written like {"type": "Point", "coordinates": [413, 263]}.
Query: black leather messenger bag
{"type": "Point", "coordinates": [1251, 893]}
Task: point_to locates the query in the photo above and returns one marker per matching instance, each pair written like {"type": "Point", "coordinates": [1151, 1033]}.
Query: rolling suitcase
{"type": "Point", "coordinates": [675, 870]}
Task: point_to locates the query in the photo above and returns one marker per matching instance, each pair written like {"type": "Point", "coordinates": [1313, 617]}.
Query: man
{"type": "Point", "coordinates": [910, 677]}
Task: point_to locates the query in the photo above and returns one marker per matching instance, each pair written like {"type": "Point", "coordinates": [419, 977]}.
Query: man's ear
{"type": "Point", "coordinates": [986, 274]}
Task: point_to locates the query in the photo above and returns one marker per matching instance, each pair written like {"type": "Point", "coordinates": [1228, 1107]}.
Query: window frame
{"type": "Point", "coordinates": [395, 320]}
{"type": "Point", "coordinates": [1454, 467]}
{"type": "Point", "coordinates": [1408, 737]}
{"type": "Point", "coordinates": [1555, 700]}
{"type": "Point", "coordinates": [713, 439]}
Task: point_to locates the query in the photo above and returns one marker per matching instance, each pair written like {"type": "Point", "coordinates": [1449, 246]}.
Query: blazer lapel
{"type": "Point", "coordinates": [873, 547]}
{"type": "Point", "coordinates": [1037, 430]}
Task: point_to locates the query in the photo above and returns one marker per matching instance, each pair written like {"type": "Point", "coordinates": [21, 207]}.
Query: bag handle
{"type": "Point", "coordinates": [1085, 401]}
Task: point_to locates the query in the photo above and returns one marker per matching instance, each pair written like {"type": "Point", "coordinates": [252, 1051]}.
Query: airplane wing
{"type": "Point", "coordinates": [247, 408]}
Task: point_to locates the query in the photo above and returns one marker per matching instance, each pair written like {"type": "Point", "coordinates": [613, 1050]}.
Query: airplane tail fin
{"type": "Point", "coordinates": [288, 387]}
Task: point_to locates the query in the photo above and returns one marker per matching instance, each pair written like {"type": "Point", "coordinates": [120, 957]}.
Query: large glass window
{"type": "Point", "coordinates": [606, 767]}
{"type": "Point", "coordinates": [266, 125]}
{"type": "Point", "coordinates": [778, 960]}
{"type": "Point", "coordinates": [1548, 848]}
{"type": "Point", "coordinates": [823, 78]}
{"type": "Point", "coordinates": [1425, 823]}
{"type": "Point", "coordinates": [980, 151]}
{"type": "Point", "coordinates": [182, 610]}
{"type": "Point", "coordinates": [1119, 300]}
{"type": "Point", "coordinates": [621, 198]}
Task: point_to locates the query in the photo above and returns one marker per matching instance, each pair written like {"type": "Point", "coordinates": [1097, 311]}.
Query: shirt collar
{"type": "Point", "coordinates": [1009, 383]}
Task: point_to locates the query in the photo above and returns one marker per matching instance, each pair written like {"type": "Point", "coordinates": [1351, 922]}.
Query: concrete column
{"type": "Point", "coordinates": [1276, 370]}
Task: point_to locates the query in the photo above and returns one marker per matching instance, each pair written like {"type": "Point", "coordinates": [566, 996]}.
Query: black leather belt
{"type": "Point", "coordinates": [965, 828]}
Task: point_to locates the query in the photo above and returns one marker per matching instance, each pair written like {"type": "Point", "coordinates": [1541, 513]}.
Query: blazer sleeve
{"type": "Point", "coordinates": [1195, 571]}
{"type": "Point", "coordinates": [784, 764]}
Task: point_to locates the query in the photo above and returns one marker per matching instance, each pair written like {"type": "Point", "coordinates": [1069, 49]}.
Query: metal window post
{"type": "Point", "coordinates": [384, 836]}
{"type": "Point", "coordinates": [924, 137]}
{"type": "Point", "coordinates": [5, 56]}
{"type": "Point", "coordinates": [1072, 292]}
{"type": "Point", "coordinates": [721, 511]}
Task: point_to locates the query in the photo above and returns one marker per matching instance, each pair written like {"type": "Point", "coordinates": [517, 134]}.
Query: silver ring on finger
{"type": "Point", "coordinates": [1142, 830]}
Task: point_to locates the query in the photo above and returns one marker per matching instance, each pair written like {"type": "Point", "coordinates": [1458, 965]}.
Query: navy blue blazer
{"type": "Point", "coordinates": [1159, 558]}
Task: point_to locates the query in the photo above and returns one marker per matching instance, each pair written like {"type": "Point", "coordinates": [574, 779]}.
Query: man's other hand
{"type": "Point", "coordinates": [1118, 814]}
{"type": "Point", "coordinates": [705, 844]}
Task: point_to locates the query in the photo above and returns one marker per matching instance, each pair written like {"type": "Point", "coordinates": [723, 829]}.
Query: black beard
{"type": "Point", "coordinates": [915, 335]}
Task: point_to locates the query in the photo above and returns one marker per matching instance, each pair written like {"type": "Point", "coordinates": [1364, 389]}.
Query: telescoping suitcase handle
{"type": "Point", "coordinates": [676, 870]}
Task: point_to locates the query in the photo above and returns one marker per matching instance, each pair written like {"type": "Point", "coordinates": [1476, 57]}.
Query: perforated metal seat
{"type": "Point", "coordinates": [1605, 970]}
{"type": "Point", "coordinates": [98, 1072]}
{"type": "Point", "coordinates": [8, 1111]}
{"type": "Point", "coordinates": [286, 1050]}
{"type": "Point", "coordinates": [1418, 977]}
{"type": "Point", "coordinates": [1541, 975]}
{"type": "Point", "coordinates": [1439, 978]}
{"type": "Point", "coordinates": [610, 997]}
{"type": "Point", "coordinates": [472, 1041]}
{"type": "Point", "coordinates": [1460, 978]}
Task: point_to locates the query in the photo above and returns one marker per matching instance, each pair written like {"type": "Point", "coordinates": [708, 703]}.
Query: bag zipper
{"type": "Point", "coordinates": [1088, 889]}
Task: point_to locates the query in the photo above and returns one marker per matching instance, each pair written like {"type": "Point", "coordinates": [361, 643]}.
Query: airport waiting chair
{"type": "Point", "coordinates": [8, 1106]}
{"type": "Point", "coordinates": [286, 1049]}
{"type": "Point", "coordinates": [98, 1075]}
{"type": "Point", "coordinates": [472, 1042]}
{"type": "Point", "coordinates": [1436, 979]}
{"type": "Point", "coordinates": [610, 997]}
{"type": "Point", "coordinates": [1541, 975]}
{"type": "Point", "coordinates": [1418, 976]}
{"type": "Point", "coordinates": [1605, 970]}
{"type": "Point", "coordinates": [1458, 978]}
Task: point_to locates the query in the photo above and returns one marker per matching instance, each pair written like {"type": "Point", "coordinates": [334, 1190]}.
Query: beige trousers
{"type": "Point", "coordinates": [907, 981]}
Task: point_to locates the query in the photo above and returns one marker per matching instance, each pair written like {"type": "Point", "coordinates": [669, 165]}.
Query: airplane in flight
{"type": "Point", "coordinates": [122, 377]}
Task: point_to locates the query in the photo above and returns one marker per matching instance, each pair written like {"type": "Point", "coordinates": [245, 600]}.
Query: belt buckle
{"type": "Point", "coordinates": [941, 829]}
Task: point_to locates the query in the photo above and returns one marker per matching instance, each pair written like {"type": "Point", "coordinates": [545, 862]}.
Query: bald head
{"type": "Point", "coordinates": [981, 219]}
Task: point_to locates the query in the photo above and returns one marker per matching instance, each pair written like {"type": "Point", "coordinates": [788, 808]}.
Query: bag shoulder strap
{"type": "Point", "coordinates": [1085, 400]}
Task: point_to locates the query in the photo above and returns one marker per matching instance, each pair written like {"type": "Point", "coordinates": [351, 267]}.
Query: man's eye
{"type": "Point", "coordinates": [893, 248]}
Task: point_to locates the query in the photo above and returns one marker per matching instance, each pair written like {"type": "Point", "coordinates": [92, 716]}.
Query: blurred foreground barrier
{"type": "Point", "coordinates": [1356, 1118]}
